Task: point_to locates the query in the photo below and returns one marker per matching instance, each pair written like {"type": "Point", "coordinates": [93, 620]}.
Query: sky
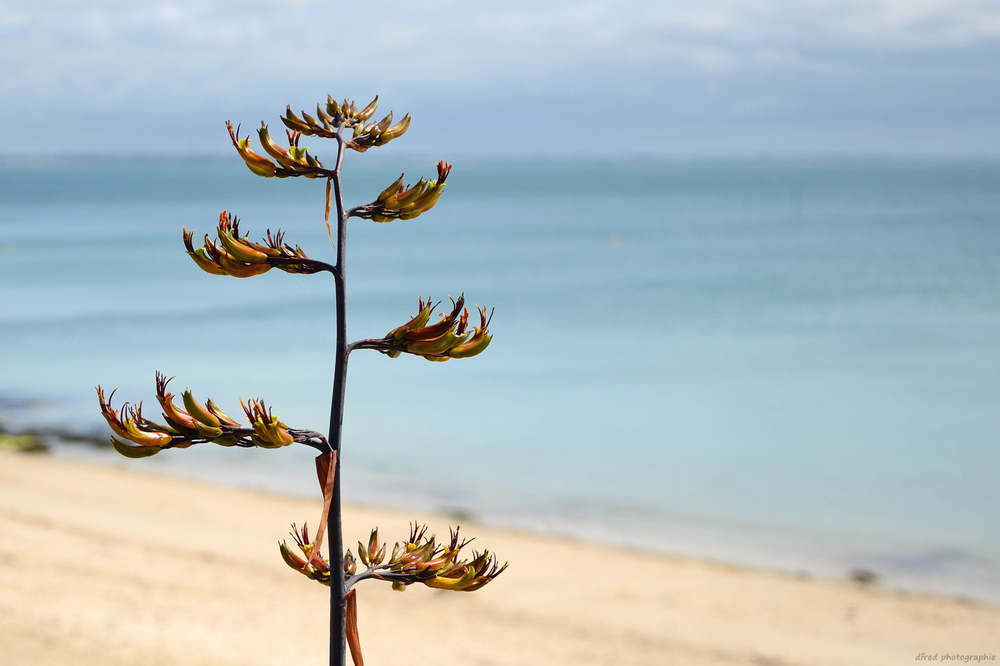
{"type": "Point", "coordinates": [854, 78]}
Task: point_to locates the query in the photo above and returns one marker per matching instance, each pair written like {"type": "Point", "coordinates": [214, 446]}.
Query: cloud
{"type": "Point", "coordinates": [127, 60]}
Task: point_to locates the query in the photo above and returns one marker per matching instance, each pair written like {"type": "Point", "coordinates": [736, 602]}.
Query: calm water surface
{"type": "Point", "coordinates": [792, 365]}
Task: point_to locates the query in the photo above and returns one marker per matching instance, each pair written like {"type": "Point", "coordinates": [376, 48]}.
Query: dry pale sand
{"type": "Point", "coordinates": [113, 566]}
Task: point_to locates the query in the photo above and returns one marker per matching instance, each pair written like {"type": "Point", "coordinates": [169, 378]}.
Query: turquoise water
{"type": "Point", "coordinates": [786, 364]}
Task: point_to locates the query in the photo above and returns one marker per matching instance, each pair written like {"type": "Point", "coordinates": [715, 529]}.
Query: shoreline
{"type": "Point", "coordinates": [945, 573]}
{"type": "Point", "coordinates": [104, 565]}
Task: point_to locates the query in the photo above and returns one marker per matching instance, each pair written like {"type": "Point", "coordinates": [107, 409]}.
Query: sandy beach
{"type": "Point", "coordinates": [114, 566]}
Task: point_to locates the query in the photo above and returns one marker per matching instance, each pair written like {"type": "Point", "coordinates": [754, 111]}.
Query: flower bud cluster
{"type": "Point", "coordinates": [240, 257]}
{"type": "Point", "coordinates": [195, 423]}
{"type": "Point", "coordinates": [446, 339]}
{"type": "Point", "coordinates": [327, 123]}
{"type": "Point", "coordinates": [296, 160]}
{"type": "Point", "coordinates": [405, 202]}
{"type": "Point", "coordinates": [419, 559]}
{"type": "Point", "coordinates": [293, 161]}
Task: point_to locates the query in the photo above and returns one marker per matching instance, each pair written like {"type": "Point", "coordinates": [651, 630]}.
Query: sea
{"type": "Point", "coordinates": [791, 365]}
